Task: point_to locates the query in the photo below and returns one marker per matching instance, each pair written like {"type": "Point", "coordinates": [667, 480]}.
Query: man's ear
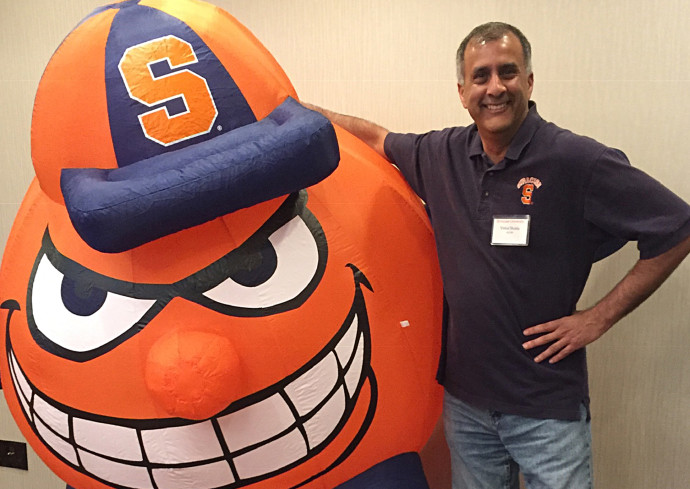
{"type": "Point", "coordinates": [461, 92]}
{"type": "Point", "coordinates": [530, 81]}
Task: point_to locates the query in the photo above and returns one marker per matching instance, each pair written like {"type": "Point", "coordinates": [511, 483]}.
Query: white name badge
{"type": "Point", "coordinates": [510, 231]}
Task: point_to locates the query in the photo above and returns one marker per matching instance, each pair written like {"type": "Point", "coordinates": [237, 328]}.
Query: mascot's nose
{"type": "Point", "coordinates": [193, 374]}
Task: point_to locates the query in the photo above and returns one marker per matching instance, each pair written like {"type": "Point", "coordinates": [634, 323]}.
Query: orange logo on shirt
{"type": "Point", "coordinates": [528, 185]}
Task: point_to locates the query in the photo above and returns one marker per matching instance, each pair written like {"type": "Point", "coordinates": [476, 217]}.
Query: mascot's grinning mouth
{"type": "Point", "coordinates": [255, 438]}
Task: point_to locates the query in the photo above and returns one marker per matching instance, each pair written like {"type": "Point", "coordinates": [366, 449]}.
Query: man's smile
{"type": "Point", "coordinates": [496, 107]}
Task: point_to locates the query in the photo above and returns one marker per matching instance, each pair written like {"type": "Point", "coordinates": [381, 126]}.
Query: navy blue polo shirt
{"type": "Point", "coordinates": [584, 201]}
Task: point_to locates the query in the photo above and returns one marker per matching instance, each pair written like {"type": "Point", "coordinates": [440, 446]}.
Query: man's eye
{"type": "Point", "coordinates": [79, 316]}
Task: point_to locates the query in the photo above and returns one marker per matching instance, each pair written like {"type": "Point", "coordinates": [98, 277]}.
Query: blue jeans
{"type": "Point", "coordinates": [488, 449]}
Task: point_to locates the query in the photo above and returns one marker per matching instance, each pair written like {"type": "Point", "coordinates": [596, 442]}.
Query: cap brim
{"type": "Point", "coordinates": [115, 210]}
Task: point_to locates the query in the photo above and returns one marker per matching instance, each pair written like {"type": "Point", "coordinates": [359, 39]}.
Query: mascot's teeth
{"type": "Point", "coordinates": [311, 388]}
{"type": "Point", "coordinates": [114, 441]}
{"type": "Point", "coordinates": [115, 472]}
{"type": "Point", "coordinates": [241, 431]}
{"type": "Point", "coordinates": [164, 445]}
{"type": "Point", "coordinates": [294, 420]}
{"type": "Point", "coordinates": [54, 418]}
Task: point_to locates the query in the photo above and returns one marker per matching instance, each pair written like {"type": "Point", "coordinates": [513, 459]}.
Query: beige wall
{"type": "Point", "coordinates": [617, 71]}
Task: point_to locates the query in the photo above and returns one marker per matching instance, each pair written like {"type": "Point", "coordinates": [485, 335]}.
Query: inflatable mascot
{"type": "Point", "coordinates": [208, 285]}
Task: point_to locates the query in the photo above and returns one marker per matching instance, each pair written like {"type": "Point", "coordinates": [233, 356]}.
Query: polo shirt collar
{"type": "Point", "coordinates": [524, 135]}
{"type": "Point", "coordinates": [520, 141]}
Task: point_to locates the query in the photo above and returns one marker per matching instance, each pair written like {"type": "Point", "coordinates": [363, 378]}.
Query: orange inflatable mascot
{"type": "Point", "coordinates": [208, 285]}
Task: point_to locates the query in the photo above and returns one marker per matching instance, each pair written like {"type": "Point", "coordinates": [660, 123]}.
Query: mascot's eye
{"type": "Point", "coordinates": [79, 316]}
{"type": "Point", "coordinates": [274, 273]}
{"type": "Point", "coordinates": [258, 266]}
{"type": "Point", "coordinates": [81, 299]}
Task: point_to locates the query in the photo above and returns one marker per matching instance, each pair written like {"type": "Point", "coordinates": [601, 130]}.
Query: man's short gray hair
{"type": "Point", "coordinates": [491, 31]}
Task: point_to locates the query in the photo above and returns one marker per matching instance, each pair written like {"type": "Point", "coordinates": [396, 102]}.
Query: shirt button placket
{"type": "Point", "coordinates": [484, 203]}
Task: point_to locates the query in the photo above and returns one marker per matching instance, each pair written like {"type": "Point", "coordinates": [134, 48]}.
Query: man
{"type": "Point", "coordinates": [521, 209]}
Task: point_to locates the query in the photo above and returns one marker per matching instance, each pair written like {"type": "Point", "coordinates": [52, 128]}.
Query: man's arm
{"type": "Point", "coordinates": [372, 134]}
{"type": "Point", "coordinates": [582, 328]}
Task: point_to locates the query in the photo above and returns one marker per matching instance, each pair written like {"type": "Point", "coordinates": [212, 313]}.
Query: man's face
{"type": "Point", "coordinates": [497, 86]}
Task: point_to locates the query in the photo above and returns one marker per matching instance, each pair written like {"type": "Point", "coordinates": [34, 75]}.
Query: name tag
{"type": "Point", "coordinates": [510, 231]}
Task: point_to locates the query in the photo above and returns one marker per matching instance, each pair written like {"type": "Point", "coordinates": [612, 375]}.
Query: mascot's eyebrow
{"type": "Point", "coordinates": [191, 288]}
{"type": "Point", "coordinates": [194, 285]}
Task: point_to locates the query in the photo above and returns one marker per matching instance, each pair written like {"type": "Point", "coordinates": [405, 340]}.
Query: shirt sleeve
{"type": "Point", "coordinates": [410, 153]}
{"type": "Point", "coordinates": [629, 204]}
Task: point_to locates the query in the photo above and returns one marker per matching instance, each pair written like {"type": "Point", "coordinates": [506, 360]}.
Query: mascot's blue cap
{"type": "Point", "coordinates": [188, 146]}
